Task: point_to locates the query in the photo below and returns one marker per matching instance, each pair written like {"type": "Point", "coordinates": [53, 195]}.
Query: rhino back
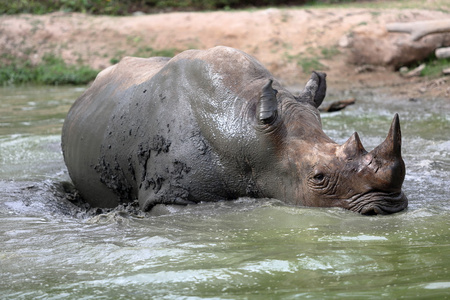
{"type": "Point", "coordinates": [178, 134]}
{"type": "Point", "coordinates": [87, 121]}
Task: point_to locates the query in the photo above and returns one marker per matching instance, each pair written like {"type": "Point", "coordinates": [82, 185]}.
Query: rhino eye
{"type": "Point", "coordinates": [318, 180]}
{"type": "Point", "coordinates": [319, 177]}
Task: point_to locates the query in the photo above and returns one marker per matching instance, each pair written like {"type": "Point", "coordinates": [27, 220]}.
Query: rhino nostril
{"type": "Point", "coordinates": [370, 212]}
{"type": "Point", "coordinates": [373, 211]}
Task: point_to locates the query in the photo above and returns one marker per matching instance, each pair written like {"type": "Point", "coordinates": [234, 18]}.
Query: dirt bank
{"type": "Point", "coordinates": [289, 42]}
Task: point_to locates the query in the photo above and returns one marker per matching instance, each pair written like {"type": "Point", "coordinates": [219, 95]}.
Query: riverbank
{"type": "Point", "coordinates": [289, 42]}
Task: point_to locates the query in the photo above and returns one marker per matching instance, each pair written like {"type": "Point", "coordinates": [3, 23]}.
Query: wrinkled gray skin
{"type": "Point", "coordinates": [215, 125]}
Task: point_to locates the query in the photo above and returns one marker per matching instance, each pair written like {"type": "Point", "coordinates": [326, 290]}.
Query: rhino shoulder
{"type": "Point", "coordinates": [131, 71]}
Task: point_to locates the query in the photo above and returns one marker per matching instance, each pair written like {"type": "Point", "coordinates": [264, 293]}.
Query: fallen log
{"type": "Point", "coordinates": [338, 105]}
{"type": "Point", "coordinates": [421, 28]}
{"type": "Point", "coordinates": [414, 72]}
{"type": "Point", "coordinates": [443, 52]}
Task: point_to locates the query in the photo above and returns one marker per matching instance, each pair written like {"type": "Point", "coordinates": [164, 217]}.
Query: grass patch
{"type": "Point", "coordinates": [434, 67]}
{"type": "Point", "coordinates": [108, 7]}
{"type": "Point", "coordinates": [308, 64]}
{"type": "Point", "coordinates": [329, 52]}
{"type": "Point", "coordinates": [310, 60]}
{"type": "Point", "coordinates": [146, 52]}
{"type": "Point", "coordinates": [117, 57]}
{"type": "Point", "coordinates": [150, 52]}
{"type": "Point", "coordinates": [120, 7]}
{"type": "Point", "coordinates": [52, 71]}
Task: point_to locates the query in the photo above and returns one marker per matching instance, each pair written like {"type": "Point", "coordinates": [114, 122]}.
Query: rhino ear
{"type": "Point", "coordinates": [315, 89]}
{"type": "Point", "coordinates": [268, 104]}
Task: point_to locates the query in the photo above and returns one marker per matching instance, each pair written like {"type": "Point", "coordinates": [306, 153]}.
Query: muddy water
{"type": "Point", "coordinates": [247, 249]}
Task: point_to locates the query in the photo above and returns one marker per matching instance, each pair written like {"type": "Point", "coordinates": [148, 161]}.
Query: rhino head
{"type": "Point", "coordinates": [316, 171]}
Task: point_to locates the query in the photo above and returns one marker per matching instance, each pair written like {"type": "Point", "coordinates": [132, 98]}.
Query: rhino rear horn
{"type": "Point", "coordinates": [315, 89]}
{"type": "Point", "coordinates": [268, 104]}
{"type": "Point", "coordinates": [353, 146]}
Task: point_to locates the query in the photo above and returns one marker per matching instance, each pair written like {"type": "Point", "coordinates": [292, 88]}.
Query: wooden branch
{"type": "Point", "coordinates": [421, 28]}
{"type": "Point", "coordinates": [443, 52]}
{"type": "Point", "coordinates": [414, 72]}
{"type": "Point", "coordinates": [338, 105]}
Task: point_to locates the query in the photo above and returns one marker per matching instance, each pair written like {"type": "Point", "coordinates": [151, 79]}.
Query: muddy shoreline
{"type": "Point", "coordinates": [289, 42]}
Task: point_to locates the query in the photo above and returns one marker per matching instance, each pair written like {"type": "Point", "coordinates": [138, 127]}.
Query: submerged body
{"type": "Point", "coordinates": [215, 125]}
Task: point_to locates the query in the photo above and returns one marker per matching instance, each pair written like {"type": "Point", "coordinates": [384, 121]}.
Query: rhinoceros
{"type": "Point", "coordinates": [212, 125]}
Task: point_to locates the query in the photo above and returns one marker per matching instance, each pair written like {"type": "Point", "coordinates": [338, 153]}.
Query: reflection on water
{"type": "Point", "coordinates": [231, 250]}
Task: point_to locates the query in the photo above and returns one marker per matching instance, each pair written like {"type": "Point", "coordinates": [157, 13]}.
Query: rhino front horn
{"type": "Point", "coordinates": [391, 147]}
{"type": "Point", "coordinates": [386, 160]}
{"type": "Point", "coordinates": [268, 104]}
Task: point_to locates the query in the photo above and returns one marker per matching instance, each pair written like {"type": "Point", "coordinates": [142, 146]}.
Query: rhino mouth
{"type": "Point", "coordinates": [377, 203]}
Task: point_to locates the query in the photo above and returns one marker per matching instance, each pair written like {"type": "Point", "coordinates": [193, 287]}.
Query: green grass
{"type": "Point", "coordinates": [122, 7]}
{"type": "Point", "coordinates": [51, 71]}
{"type": "Point", "coordinates": [146, 51]}
{"type": "Point", "coordinates": [329, 52]}
{"type": "Point", "coordinates": [434, 67]}
{"type": "Point", "coordinates": [150, 52]}
{"type": "Point", "coordinates": [310, 60]}
{"type": "Point", "coordinates": [126, 7]}
{"type": "Point", "coordinates": [307, 63]}
{"type": "Point", "coordinates": [108, 7]}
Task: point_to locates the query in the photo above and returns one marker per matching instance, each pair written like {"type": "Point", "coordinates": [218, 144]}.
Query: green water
{"type": "Point", "coordinates": [246, 249]}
